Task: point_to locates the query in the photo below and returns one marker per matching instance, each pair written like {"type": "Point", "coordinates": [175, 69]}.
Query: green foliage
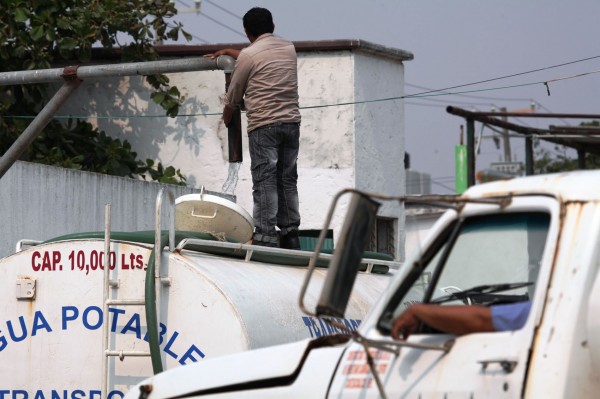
{"type": "Point", "coordinates": [164, 175]}
{"type": "Point", "coordinates": [37, 34]}
{"type": "Point", "coordinates": [81, 146]}
{"type": "Point", "coordinates": [560, 161]}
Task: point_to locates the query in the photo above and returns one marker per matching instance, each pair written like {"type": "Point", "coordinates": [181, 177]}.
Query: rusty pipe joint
{"type": "Point", "coordinates": [225, 63]}
{"type": "Point", "coordinates": [70, 73]}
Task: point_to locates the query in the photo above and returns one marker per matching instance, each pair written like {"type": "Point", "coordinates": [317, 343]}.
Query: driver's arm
{"type": "Point", "coordinates": [449, 319]}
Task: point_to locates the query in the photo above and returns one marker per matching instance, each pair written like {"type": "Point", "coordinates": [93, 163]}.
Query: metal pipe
{"type": "Point", "coordinates": [480, 117]}
{"type": "Point", "coordinates": [37, 125]}
{"type": "Point", "coordinates": [152, 296]}
{"type": "Point", "coordinates": [26, 242]}
{"type": "Point", "coordinates": [536, 115]}
{"type": "Point", "coordinates": [270, 250]}
{"type": "Point", "coordinates": [541, 133]}
{"type": "Point", "coordinates": [591, 131]}
{"type": "Point", "coordinates": [528, 156]}
{"type": "Point", "coordinates": [74, 74]}
{"type": "Point", "coordinates": [234, 130]}
{"type": "Point", "coordinates": [580, 159]}
{"type": "Point", "coordinates": [123, 354]}
{"type": "Point", "coordinates": [470, 152]}
{"type": "Point", "coordinates": [105, 297]}
{"type": "Point", "coordinates": [506, 139]}
{"type": "Point", "coordinates": [223, 62]}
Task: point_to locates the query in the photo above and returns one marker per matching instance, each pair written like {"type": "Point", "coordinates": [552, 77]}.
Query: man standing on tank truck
{"type": "Point", "coordinates": [265, 81]}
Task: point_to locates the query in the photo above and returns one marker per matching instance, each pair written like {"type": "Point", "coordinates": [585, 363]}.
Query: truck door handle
{"type": "Point", "coordinates": [507, 365]}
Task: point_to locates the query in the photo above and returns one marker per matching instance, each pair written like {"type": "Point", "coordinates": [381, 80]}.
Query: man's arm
{"type": "Point", "coordinates": [237, 87]}
{"type": "Point", "coordinates": [226, 51]}
{"type": "Point", "coordinates": [449, 319]}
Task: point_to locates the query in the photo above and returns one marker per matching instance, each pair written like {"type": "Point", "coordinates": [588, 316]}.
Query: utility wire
{"type": "Point", "coordinates": [446, 179]}
{"type": "Point", "coordinates": [191, 34]}
{"type": "Point", "coordinates": [443, 92]}
{"type": "Point", "coordinates": [199, 38]}
{"type": "Point", "coordinates": [426, 105]}
{"type": "Point", "coordinates": [216, 21]}
{"type": "Point", "coordinates": [471, 96]}
{"type": "Point", "coordinates": [457, 102]}
{"type": "Point", "coordinates": [184, 3]}
{"type": "Point", "coordinates": [442, 185]}
{"type": "Point", "coordinates": [223, 9]}
{"type": "Point", "coordinates": [512, 76]}
{"type": "Point", "coordinates": [412, 96]}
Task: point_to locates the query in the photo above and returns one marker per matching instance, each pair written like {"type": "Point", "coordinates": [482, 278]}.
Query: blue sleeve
{"type": "Point", "coordinates": [510, 317]}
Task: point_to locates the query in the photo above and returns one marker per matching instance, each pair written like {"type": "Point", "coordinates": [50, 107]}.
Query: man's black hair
{"type": "Point", "coordinates": [258, 21]}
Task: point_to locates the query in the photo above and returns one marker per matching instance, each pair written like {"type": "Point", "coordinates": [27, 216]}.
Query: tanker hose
{"type": "Point", "coordinates": [150, 306]}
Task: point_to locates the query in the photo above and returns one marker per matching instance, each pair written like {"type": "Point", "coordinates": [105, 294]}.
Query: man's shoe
{"type": "Point", "coordinates": [290, 241]}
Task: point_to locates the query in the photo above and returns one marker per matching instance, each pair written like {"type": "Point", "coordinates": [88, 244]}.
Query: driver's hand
{"type": "Point", "coordinates": [216, 54]}
{"type": "Point", "coordinates": [405, 324]}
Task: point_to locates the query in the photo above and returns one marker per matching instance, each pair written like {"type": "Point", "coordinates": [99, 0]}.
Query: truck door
{"type": "Point", "coordinates": [484, 257]}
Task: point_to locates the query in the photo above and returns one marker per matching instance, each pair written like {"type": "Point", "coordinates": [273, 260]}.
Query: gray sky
{"type": "Point", "coordinates": [454, 42]}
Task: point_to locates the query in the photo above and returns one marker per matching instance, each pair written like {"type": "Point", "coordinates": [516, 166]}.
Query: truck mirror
{"type": "Point", "coordinates": [343, 267]}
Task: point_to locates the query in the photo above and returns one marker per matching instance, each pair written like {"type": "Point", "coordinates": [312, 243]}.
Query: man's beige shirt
{"type": "Point", "coordinates": [265, 78]}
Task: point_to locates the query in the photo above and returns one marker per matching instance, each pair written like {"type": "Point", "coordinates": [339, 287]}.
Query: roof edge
{"type": "Point", "coordinates": [179, 50]}
{"type": "Point", "coordinates": [354, 44]}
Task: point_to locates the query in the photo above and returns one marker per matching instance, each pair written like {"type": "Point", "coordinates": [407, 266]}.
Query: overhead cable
{"type": "Point", "coordinates": [223, 9]}
{"type": "Point", "coordinates": [477, 97]}
{"type": "Point", "coordinates": [216, 21]}
{"type": "Point", "coordinates": [513, 75]}
{"type": "Point", "coordinates": [412, 96]}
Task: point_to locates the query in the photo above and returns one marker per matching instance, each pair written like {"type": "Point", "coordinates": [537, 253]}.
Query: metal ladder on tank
{"type": "Point", "coordinates": [109, 284]}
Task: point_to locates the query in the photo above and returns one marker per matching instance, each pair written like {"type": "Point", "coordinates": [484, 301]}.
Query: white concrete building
{"type": "Point", "coordinates": [352, 134]}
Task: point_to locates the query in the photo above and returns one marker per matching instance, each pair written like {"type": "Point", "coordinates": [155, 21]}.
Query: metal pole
{"type": "Point", "coordinates": [223, 62]}
{"type": "Point", "coordinates": [528, 156]}
{"type": "Point", "coordinates": [580, 159]}
{"type": "Point", "coordinates": [506, 139]}
{"type": "Point", "coordinates": [470, 152]}
{"type": "Point", "coordinates": [37, 125]}
{"type": "Point", "coordinates": [480, 117]}
{"type": "Point", "coordinates": [105, 297]}
{"type": "Point", "coordinates": [537, 115]}
{"type": "Point", "coordinates": [74, 74]}
{"type": "Point", "coordinates": [234, 130]}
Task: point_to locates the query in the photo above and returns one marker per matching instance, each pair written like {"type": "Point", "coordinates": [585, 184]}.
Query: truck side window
{"type": "Point", "coordinates": [490, 250]}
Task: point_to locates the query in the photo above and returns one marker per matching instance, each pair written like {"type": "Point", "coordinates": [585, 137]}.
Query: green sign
{"type": "Point", "coordinates": [460, 154]}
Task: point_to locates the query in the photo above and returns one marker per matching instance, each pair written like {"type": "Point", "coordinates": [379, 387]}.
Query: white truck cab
{"type": "Point", "coordinates": [530, 239]}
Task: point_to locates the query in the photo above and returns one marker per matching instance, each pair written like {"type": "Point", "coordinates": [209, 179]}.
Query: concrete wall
{"type": "Point", "coordinates": [41, 202]}
{"type": "Point", "coordinates": [379, 147]}
{"type": "Point", "coordinates": [351, 145]}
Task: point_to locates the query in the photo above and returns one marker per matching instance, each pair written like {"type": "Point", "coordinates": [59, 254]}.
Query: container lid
{"type": "Point", "coordinates": [212, 214]}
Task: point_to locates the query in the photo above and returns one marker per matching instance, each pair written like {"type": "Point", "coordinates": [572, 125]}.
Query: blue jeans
{"type": "Point", "coordinates": [273, 163]}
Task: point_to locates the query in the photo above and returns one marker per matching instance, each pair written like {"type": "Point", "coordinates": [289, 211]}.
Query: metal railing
{"type": "Point", "coordinates": [250, 249]}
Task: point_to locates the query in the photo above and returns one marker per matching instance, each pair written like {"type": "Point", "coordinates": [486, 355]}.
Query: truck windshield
{"type": "Point", "coordinates": [484, 260]}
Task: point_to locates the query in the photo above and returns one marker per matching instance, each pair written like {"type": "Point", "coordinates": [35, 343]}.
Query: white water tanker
{"type": "Point", "coordinates": [71, 328]}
